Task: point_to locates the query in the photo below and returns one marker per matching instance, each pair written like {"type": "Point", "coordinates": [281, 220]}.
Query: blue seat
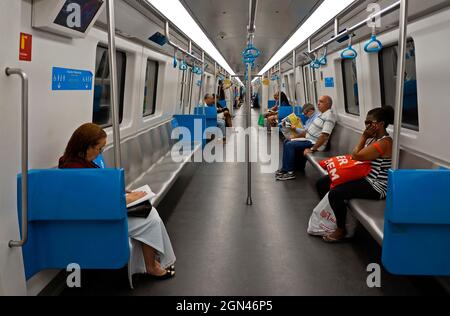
{"type": "Point", "coordinates": [196, 124]}
{"type": "Point", "coordinates": [410, 95]}
{"type": "Point", "coordinates": [211, 115]}
{"type": "Point", "coordinates": [75, 216]}
{"type": "Point", "coordinates": [99, 161]}
{"type": "Point", "coordinates": [298, 110]}
{"type": "Point", "coordinates": [272, 103]}
{"type": "Point", "coordinates": [283, 112]}
{"type": "Point", "coordinates": [417, 230]}
{"type": "Point", "coordinates": [223, 103]}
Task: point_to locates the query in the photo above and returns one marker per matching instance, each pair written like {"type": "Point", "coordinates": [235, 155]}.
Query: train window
{"type": "Point", "coordinates": [388, 76]}
{"type": "Point", "coordinates": [102, 111]}
{"type": "Point", "coordinates": [350, 82]}
{"type": "Point", "coordinates": [151, 83]}
{"type": "Point", "coordinates": [306, 83]}
{"type": "Point", "coordinates": [188, 88]}
{"type": "Point", "coordinates": [314, 86]}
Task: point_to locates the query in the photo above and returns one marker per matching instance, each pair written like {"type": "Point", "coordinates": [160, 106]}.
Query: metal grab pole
{"type": "Point", "coordinates": [200, 99]}
{"type": "Point", "coordinates": [113, 77]}
{"type": "Point", "coordinates": [279, 85]}
{"type": "Point", "coordinates": [249, 137]}
{"type": "Point", "coordinates": [294, 66]}
{"type": "Point", "coordinates": [169, 41]}
{"type": "Point", "coordinates": [402, 41]}
{"type": "Point", "coordinates": [24, 197]}
{"type": "Point", "coordinates": [215, 83]}
{"type": "Point", "coordinates": [183, 90]}
{"type": "Point", "coordinates": [191, 90]}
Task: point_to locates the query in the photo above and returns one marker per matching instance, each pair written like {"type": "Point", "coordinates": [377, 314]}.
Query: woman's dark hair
{"type": "Point", "coordinates": [385, 114]}
{"type": "Point", "coordinates": [284, 100]}
{"type": "Point", "coordinates": [87, 135]}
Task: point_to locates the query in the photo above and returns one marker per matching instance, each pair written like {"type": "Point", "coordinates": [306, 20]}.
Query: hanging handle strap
{"type": "Point", "coordinates": [349, 52]}
{"type": "Point", "coordinates": [374, 45]}
{"type": "Point", "coordinates": [323, 60]}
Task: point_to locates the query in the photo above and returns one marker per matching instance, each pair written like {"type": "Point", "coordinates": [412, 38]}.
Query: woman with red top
{"type": "Point", "coordinates": [155, 255]}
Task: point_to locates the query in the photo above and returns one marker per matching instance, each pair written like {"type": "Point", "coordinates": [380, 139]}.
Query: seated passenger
{"type": "Point", "coordinates": [314, 138]}
{"type": "Point", "coordinates": [157, 256]}
{"type": "Point", "coordinates": [310, 112]}
{"type": "Point", "coordinates": [272, 115]}
{"type": "Point", "coordinates": [223, 113]}
{"type": "Point", "coordinates": [375, 145]}
{"type": "Point", "coordinates": [209, 101]}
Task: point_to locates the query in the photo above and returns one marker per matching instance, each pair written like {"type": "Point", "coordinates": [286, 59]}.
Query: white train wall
{"type": "Point", "coordinates": [54, 115]}
{"type": "Point", "coordinates": [433, 76]}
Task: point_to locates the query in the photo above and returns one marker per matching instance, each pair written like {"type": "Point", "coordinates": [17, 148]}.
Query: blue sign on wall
{"type": "Point", "coordinates": [329, 82]}
{"type": "Point", "coordinates": [71, 79]}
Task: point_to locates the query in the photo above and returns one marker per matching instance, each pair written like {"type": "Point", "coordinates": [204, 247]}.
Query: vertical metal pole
{"type": "Point", "coordinates": [183, 90]}
{"type": "Point", "coordinates": [202, 75]}
{"type": "Point", "coordinates": [24, 197]}
{"type": "Point", "coordinates": [312, 90]}
{"type": "Point", "coordinates": [305, 83]}
{"type": "Point", "coordinates": [402, 41]}
{"type": "Point", "coordinates": [215, 83]}
{"type": "Point", "coordinates": [279, 83]}
{"type": "Point", "coordinates": [294, 65]}
{"type": "Point", "coordinates": [249, 137]}
{"type": "Point", "coordinates": [191, 90]}
{"type": "Point", "coordinates": [336, 27]}
{"type": "Point", "coordinates": [113, 83]}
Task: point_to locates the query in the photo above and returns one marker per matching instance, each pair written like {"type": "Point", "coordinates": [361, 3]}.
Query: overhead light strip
{"type": "Point", "coordinates": [178, 15]}
{"type": "Point", "coordinates": [327, 11]}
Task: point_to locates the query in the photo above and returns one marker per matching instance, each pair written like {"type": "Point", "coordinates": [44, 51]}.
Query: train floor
{"type": "Point", "coordinates": [226, 248]}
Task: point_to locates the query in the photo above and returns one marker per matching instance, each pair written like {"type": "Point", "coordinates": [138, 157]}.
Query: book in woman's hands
{"type": "Point", "coordinates": [142, 207]}
{"type": "Point", "coordinates": [148, 196]}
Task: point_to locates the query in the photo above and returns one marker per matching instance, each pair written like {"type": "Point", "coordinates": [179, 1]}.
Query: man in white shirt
{"type": "Point", "coordinates": [314, 138]}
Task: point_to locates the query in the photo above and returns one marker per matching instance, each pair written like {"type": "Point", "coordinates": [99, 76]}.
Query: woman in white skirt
{"type": "Point", "coordinates": [152, 251]}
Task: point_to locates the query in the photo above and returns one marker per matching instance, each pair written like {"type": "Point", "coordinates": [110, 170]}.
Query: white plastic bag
{"type": "Point", "coordinates": [323, 222]}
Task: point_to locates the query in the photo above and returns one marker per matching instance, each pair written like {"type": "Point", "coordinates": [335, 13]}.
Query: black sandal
{"type": "Point", "coordinates": [168, 275]}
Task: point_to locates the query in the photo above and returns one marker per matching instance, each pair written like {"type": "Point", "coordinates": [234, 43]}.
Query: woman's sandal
{"type": "Point", "coordinates": [333, 240]}
{"type": "Point", "coordinates": [168, 275]}
{"type": "Point", "coordinates": [171, 268]}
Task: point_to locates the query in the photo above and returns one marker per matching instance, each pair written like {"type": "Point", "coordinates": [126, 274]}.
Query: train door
{"type": "Point", "coordinates": [12, 276]}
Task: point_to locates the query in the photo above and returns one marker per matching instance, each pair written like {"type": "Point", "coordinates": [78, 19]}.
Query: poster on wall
{"type": "Point", "coordinates": [25, 47]}
{"type": "Point", "coordinates": [71, 79]}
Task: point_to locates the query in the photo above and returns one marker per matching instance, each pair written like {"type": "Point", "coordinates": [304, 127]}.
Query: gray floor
{"type": "Point", "coordinates": [226, 248]}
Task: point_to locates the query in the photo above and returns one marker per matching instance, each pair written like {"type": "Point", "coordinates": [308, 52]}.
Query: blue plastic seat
{"type": "Point", "coordinates": [75, 216]}
{"type": "Point", "coordinates": [417, 223]}
{"type": "Point", "coordinates": [284, 111]}
{"type": "Point", "coordinates": [196, 124]}
{"type": "Point", "coordinates": [211, 115]}
{"type": "Point", "coordinates": [223, 103]}
{"type": "Point", "coordinates": [272, 103]}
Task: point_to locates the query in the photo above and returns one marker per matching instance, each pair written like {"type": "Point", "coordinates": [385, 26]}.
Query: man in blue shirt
{"type": "Point", "coordinates": [209, 101]}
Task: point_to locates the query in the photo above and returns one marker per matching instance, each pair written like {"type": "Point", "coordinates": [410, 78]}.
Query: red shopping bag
{"type": "Point", "coordinates": [343, 169]}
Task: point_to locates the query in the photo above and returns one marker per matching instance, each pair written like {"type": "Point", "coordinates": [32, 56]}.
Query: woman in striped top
{"type": "Point", "coordinates": [375, 145]}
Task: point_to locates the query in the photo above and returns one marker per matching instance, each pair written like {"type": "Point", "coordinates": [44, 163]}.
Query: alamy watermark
{"type": "Point", "coordinates": [264, 147]}
{"type": "Point", "coordinates": [73, 280]}
{"type": "Point", "coordinates": [374, 278]}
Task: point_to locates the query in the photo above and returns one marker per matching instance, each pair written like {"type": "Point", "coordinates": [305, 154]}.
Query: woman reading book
{"type": "Point", "coordinates": [155, 255]}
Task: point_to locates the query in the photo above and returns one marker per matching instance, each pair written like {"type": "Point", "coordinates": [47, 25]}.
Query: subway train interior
{"type": "Point", "coordinates": [200, 147]}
